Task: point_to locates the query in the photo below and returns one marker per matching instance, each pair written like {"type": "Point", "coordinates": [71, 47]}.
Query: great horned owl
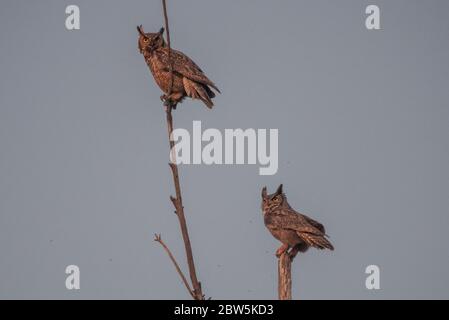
{"type": "Point", "coordinates": [188, 79]}
{"type": "Point", "coordinates": [294, 230]}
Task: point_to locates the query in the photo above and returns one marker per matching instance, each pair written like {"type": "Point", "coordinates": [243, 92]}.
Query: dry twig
{"type": "Point", "coordinates": [157, 238]}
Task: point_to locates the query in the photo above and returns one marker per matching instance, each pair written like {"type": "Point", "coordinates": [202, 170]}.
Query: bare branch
{"type": "Point", "coordinates": [177, 203]}
{"type": "Point", "coordinates": [157, 238]}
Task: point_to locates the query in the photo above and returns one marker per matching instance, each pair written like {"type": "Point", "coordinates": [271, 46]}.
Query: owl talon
{"type": "Point", "coordinates": [168, 102]}
{"type": "Point", "coordinates": [293, 252]}
{"type": "Point", "coordinates": [282, 249]}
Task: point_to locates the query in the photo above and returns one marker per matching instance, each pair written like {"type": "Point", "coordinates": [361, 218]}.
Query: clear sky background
{"type": "Point", "coordinates": [363, 147]}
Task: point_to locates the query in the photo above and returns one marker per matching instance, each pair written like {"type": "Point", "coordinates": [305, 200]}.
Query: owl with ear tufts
{"type": "Point", "coordinates": [296, 231]}
{"type": "Point", "coordinates": [188, 79]}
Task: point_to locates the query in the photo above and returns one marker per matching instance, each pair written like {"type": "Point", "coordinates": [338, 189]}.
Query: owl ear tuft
{"type": "Point", "coordinates": [161, 31]}
{"type": "Point", "coordinates": [264, 192]}
{"type": "Point", "coordinates": [140, 30]}
{"type": "Point", "coordinates": [279, 190]}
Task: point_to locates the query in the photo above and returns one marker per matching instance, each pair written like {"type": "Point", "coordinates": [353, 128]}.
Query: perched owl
{"type": "Point", "coordinates": [188, 79]}
{"type": "Point", "coordinates": [294, 230]}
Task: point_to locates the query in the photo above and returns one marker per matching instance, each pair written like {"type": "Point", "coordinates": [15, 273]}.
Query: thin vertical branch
{"type": "Point", "coordinates": [177, 201]}
{"type": "Point", "coordinates": [170, 64]}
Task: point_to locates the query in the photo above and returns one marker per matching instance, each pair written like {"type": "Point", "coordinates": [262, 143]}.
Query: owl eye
{"type": "Point", "coordinates": [277, 199]}
{"type": "Point", "coordinates": [146, 40]}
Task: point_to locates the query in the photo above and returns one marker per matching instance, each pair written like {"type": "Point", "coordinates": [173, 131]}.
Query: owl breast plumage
{"type": "Point", "coordinates": [161, 72]}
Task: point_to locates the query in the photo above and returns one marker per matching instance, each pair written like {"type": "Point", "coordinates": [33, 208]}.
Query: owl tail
{"type": "Point", "coordinates": [316, 241]}
{"type": "Point", "coordinates": [205, 94]}
{"type": "Point", "coordinates": [208, 103]}
{"type": "Point", "coordinates": [199, 91]}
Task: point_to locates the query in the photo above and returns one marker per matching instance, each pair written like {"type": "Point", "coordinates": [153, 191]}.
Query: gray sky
{"type": "Point", "coordinates": [363, 148]}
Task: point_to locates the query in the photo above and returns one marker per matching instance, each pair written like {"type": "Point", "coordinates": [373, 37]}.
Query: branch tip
{"type": "Point", "coordinates": [157, 237]}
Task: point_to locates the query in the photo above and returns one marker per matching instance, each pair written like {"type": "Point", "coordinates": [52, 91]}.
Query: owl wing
{"type": "Point", "coordinates": [310, 232]}
{"type": "Point", "coordinates": [314, 223]}
{"type": "Point", "coordinates": [185, 66]}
